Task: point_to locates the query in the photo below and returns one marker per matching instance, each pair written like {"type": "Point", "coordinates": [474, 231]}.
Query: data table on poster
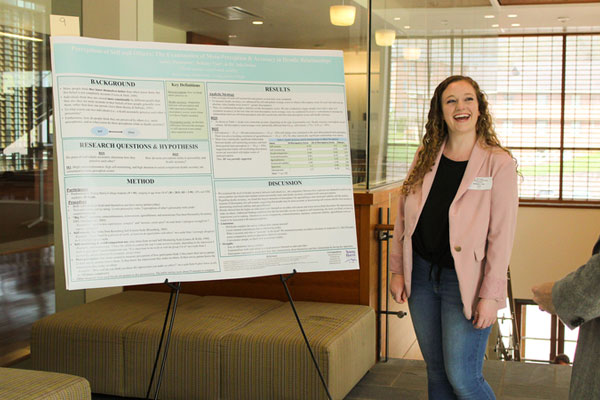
{"type": "Point", "coordinates": [299, 157]}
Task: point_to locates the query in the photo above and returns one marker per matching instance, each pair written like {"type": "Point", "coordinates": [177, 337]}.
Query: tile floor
{"type": "Point", "coordinates": [407, 380]}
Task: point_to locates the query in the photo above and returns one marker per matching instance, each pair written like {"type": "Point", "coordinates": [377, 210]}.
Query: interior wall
{"type": "Point", "coordinates": [166, 34]}
{"type": "Point", "coordinates": [550, 242]}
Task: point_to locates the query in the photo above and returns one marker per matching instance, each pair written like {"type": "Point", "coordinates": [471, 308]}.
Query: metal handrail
{"type": "Point", "coordinates": [515, 323]}
{"type": "Point", "coordinates": [384, 235]}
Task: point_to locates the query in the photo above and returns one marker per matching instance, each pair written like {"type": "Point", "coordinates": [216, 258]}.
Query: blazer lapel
{"type": "Point", "coordinates": [478, 155]}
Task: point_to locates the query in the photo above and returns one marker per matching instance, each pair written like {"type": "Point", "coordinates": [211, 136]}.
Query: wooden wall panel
{"type": "Point", "coordinates": [196, 38]}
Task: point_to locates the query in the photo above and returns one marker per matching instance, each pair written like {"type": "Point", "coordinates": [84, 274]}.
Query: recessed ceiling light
{"type": "Point", "coordinates": [396, 18]}
{"type": "Point", "coordinates": [406, 26]}
{"type": "Point", "coordinates": [257, 22]}
{"type": "Point", "coordinates": [512, 15]}
{"type": "Point", "coordinates": [232, 36]}
{"type": "Point", "coordinates": [515, 25]}
{"type": "Point", "coordinates": [495, 26]}
{"type": "Point", "coordinates": [489, 16]}
{"type": "Point", "coordinates": [563, 19]}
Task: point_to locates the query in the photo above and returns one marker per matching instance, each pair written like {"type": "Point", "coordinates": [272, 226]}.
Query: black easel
{"type": "Point", "coordinates": [283, 281]}
{"type": "Point", "coordinates": [175, 288]}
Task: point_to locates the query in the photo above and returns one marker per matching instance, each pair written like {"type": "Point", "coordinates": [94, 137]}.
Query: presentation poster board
{"type": "Point", "coordinates": [189, 162]}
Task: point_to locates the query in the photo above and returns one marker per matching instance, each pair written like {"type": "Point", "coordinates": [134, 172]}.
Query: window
{"type": "Point", "coordinates": [544, 93]}
{"type": "Point", "coordinates": [543, 335]}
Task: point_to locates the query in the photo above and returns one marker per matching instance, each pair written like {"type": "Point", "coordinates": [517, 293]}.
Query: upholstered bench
{"type": "Point", "coordinates": [193, 363]}
{"type": "Point", "coordinates": [221, 347]}
{"type": "Point", "coordinates": [87, 340]}
{"type": "Point", "coordinates": [268, 358]}
{"type": "Point", "coordinates": [21, 384]}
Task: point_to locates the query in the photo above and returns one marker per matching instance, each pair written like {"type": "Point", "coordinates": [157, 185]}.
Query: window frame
{"type": "Point", "coordinates": [457, 45]}
{"type": "Point", "coordinates": [557, 332]}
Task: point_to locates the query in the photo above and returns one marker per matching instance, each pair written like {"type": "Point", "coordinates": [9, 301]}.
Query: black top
{"type": "Point", "coordinates": [431, 239]}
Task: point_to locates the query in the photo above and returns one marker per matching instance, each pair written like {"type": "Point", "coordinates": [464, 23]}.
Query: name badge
{"type": "Point", "coordinates": [481, 183]}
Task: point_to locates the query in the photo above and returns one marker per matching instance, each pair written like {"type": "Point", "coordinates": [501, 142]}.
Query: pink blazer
{"type": "Point", "coordinates": [482, 218]}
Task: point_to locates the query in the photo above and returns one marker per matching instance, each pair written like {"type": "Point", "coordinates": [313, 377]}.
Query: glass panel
{"type": "Point", "coordinates": [582, 88]}
{"type": "Point", "coordinates": [570, 348]}
{"type": "Point", "coordinates": [409, 104]}
{"type": "Point", "coordinates": [504, 322]}
{"type": "Point", "coordinates": [540, 170]}
{"type": "Point", "coordinates": [571, 334]}
{"type": "Point", "coordinates": [25, 127]}
{"type": "Point", "coordinates": [581, 175]}
{"type": "Point", "coordinates": [26, 181]}
{"type": "Point", "coordinates": [537, 349]}
{"type": "Point", "coordinates": [287, 24]}
{"type": "Point", "coordinates": [522, 76]}
{"type": "Point", "coordinates": [527, 99]}
{"type": "Point", "coordinates": [537, 323]}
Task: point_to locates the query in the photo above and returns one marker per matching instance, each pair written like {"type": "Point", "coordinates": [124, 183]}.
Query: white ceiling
{"type": "Point", "coordinates": [291, 23]}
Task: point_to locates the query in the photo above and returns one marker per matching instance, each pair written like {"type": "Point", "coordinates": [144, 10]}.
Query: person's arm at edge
{"type": "Point", "coordinates": [576, 297]}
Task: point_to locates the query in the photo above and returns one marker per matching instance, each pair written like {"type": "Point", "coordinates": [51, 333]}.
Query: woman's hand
{"type": "Point", "coordinates": [397, 288]}
{"type": "Point", "coordinates": [485, 313]}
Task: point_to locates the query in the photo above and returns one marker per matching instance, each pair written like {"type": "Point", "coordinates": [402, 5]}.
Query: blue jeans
{"type": "Point", "coordinates": [452, 348]}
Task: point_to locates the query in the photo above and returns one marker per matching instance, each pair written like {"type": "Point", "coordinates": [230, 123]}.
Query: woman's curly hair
{"type": "Point", "coordinates": [436, 132]}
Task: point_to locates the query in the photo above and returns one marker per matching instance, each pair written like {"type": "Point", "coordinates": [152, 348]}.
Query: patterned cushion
{"type": "Point", "coordinates": [268, 358]}
{"type": "Point", "coordinates": [221, 347]}
{"type": "Point", "coordinates": [193, 364]}
{"type": "Point", "coordinates": [87, 340]}
{"type": "Point", "coordinates": [20, 384]}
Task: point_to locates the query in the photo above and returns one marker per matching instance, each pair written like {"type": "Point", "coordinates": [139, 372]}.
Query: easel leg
{"type": "Point", "coordinates": [283, 281]}
{"type": "Point", "coordinates": [175, 288]}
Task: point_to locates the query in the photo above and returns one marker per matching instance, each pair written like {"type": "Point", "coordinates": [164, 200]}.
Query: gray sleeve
{"type": "Point", "coordinates": [576, 297]}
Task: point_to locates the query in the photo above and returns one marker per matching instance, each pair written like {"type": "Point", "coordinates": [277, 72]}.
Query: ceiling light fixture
{"type": "Point", "coordinates": [342, 15]}
{"type": "Point", "coordinates": [495, 25]}
{"type": "Point", "coordinates": [512, 15]}
{"type": "Point", "coordinates": [257, 22]}
{"type": "Point", "coordinates": [489, 16]}
{"type": "Point", "coordinates": [385, 37]}
{"type": "Point", "coordinates": [15, 36]}
{"type": "Point", "coordinates": [515, 25]}
{"type": "Point", "coordinates": [396, 18]}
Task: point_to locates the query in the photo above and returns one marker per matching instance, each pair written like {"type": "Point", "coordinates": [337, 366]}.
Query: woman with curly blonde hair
{"type": "Point", "coordinates": [453, 238]}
